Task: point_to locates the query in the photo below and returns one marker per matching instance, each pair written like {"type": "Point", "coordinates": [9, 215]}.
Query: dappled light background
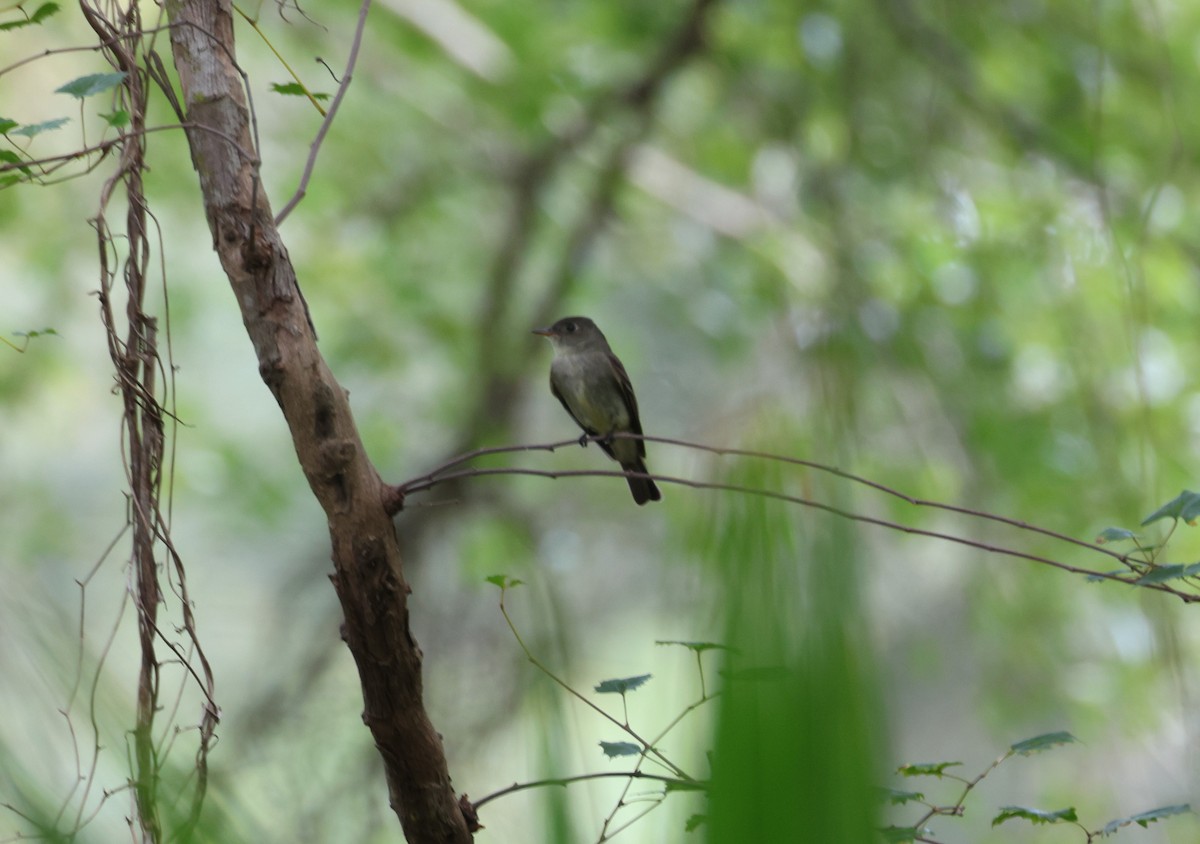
{"type": "Point", "coordinates": [948, 247]}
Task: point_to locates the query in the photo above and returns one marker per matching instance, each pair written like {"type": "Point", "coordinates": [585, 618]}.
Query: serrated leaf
{"type": "Point", "coordinates": [116, 119]}
{"type": "Point", "coordinates": [926, 769]}
{"type": "Point", "coordinates": [92, 84]}
{"type": "Point", "coordinates": [1144, 819]}
{"type": "Point", "coordinates": [898, 798]}
{"type": "Point", "coordinates": [1161, 574]}
{"type": "Point", "coordinates": [622, 685]}
{"type": "Point", "coordinates": [1187, 502]}
{"type": "Point", "coordinates": [698, 647]}
{"type": "Point", "coordinates": [1035, 816]}
{"type": "Point", "coordinates": [37, 128]}
{"type": "Point", "coordinates": [899, 834]}
{"type": "Point", "coordinates": [613, 749]}
{"type": "Point", "coordinates": [295, 89]}
{"type": "Point", "coordinates": [1115, 534]}
{"type": "Point", "coordinates": [695, 822]}
{"type": "Point", "coordinates": [40, 14]}
{"type": "Point", "coordinates": [1043, 742]}
{"type": "Point", "coordinates": [7, 156]}
{"type": "Point", "coordinates": [44, 11]}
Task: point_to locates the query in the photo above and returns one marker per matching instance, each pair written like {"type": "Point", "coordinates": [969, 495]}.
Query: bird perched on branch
{"type": "Point", "coordinates": [593, 386]}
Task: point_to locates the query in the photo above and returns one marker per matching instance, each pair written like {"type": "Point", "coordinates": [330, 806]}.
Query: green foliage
{"type": "Point", "coordinates": [791, 603]}
{"type": "Point", "coordinates": [34, 129]}
{"type": "Point", "coordinates": [1035, 816]}
{"type": "Point", "coordinates": [39, 16]}
{"type": "Point", "coordinates": [926, 769]}
{"type": "Point", "coordinates": [1185, 507]}
{"type": "Point", "coordinates": [621, 686]}
{"type": "Point", "coordinates": [961, 261]}
{"type": "Point", "coordinates": [92, 84]}
{"type": "Point", "coordinates": [27, 335]}
{"type": "Point", "coordinates": [295, 89]}
{"type": "Point", "coordinates": [1046, 741]}
{"type": "Point", "coordinates": [1162, 574]}
{"type": "Point", "coordinates": [1144, 819]}
{"type": "Point", "coordinates": [613, 749]}
{"type": "Point", "coordinates": [504, 581]}
{"type": "Point", "coordinates": [898, 798]}
{"type": "Point", "coordinates": [1115, 534]}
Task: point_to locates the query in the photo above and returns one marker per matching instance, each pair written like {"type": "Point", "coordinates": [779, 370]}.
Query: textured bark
{"type": "Point", "coordinates": [367, 570]}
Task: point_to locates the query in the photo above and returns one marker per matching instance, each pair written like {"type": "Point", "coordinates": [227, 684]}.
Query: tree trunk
{"type": "Point", "coordinates": [367, 571]}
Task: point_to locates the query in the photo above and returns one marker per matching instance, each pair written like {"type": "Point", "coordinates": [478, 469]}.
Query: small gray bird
{"type": "Point", "coordinates": [592, 385]}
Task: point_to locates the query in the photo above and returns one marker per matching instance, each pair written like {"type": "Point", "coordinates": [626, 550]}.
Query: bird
{"type": "Point", "coordinates": [593, 386]}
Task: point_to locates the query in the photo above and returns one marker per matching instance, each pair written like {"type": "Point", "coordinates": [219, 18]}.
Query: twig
{"type": "Point", "coordinates": [565, 781]}
{"type": "Point", "coordinates": [315, 146]}
{"type": "Point", "coordinates": [442, 474]}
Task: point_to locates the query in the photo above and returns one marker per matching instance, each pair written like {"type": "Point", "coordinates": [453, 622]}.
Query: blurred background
{"type": "Point", "coordinates": [948, 247]}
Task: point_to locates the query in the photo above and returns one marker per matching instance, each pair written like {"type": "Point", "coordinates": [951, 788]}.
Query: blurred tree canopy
{"type": "Point", "coordinates": [949, 247]}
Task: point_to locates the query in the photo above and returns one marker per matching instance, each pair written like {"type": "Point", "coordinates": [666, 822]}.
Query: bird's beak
{"type": "Point", "coordinates": [545, 332]}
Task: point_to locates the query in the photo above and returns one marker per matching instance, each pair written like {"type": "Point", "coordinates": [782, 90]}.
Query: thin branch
{"type": "Point", "coordinates": [565, 781]}
{"type": "Point", "coordinates": [443, 474]}
{"type": "Point", "coordinates": [105, 147]}
{"type": "Point", "coordinates": [648, 748]}
{"type": "Point", "coordinates": [102, 44]}
{"type": "Point", "coordinates": [315, 147]}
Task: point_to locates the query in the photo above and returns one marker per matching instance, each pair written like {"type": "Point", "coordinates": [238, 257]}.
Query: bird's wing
{"type": "Point", "coordinates": [626, 388]}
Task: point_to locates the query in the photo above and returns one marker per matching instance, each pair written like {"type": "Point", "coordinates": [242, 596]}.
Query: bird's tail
{"type": "Point", "coordinates": [643, 489]}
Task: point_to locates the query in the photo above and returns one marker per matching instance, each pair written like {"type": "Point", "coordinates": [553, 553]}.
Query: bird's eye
{"type": "Point", "coordinates": [570, 326]}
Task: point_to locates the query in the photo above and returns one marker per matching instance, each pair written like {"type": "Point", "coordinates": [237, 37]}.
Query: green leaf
{"type": "Point", "coordinates": [613, 749]}
{"type": "Point", "coordinates": [1042, 742]}
{"type": "Point", "coordinates": [37, 128]}
{"type": "Point", "coordinates": [7, 156]}
{"type": "Point", "coordinates": [504, 581]}
{"type": "Point", "coordinates": [1144, 819]}
{"type": "Point", "coordinates": [686, 785]}
{"type": "Point", "coordinates": [698, 647]}
{"type": "Point", "coordinates": [44, 11]}
{"type": "Point", "coordinates": [116, 119]}
{"type": "Point", "coordinates": [1036, 816]}
{"type": "Point", "coordinates": [695, 822]}
{"type": "Point", "coordinates": [40, 14]}
{"type": "Point", "coordinates": [6, 125]}
{"type": "Point", "coordinates": [926, 769]}
{"type": "Point", "coordinates": [622, 685]}
{"type": "Point", "coordinates": [899, 834]}
{"type": "Point", "coordinates": [92, 84]}
{"type": "Point", "coordinates": [1184, 506]}
{"type": "Point", "coordinates": [1161, 574]}
{"type": "Point", "coordinates": [898, 798]}
{"type": "Point", "coordinates": [295, 89]}
{"type": "Point", "coordinates": [1115, 534]}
